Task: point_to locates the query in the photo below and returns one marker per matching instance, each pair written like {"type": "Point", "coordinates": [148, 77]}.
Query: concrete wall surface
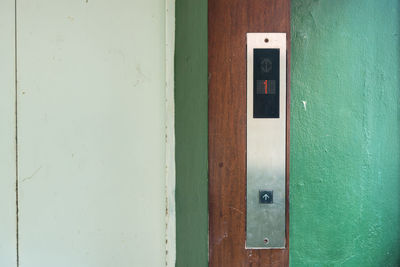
{"type": "Point", "coordinates": [345, 134]}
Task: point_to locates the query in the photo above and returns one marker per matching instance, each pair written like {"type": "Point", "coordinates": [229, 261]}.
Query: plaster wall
{"type": "Point", "coordinates": [345, 134]}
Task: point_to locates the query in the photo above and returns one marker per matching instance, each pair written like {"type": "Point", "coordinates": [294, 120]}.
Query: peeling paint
{"type": "Point", "coordinates": [304, 105]}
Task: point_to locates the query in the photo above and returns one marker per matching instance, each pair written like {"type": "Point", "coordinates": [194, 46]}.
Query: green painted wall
{"type": "Point", "coordinates": [345, 164]}
{"type": "Point", "coordinates": [191, 133]}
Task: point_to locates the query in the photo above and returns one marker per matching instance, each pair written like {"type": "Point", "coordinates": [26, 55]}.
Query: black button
{"type": "Point", "coordinates": [266, 197]}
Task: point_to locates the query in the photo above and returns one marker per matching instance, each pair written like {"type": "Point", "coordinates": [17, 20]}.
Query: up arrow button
{"type": "Point", "coordinates": [266, 197]}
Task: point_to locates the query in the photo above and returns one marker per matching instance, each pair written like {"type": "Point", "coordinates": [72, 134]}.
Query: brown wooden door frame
{"type": "Point", "coordinates": [228, 23]}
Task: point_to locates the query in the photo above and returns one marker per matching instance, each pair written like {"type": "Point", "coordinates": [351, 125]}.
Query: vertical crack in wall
{"type": "Point", "coordinates": [16, 133]}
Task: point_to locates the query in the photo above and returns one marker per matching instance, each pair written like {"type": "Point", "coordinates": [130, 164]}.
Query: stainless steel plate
{"type": "Point", "coordinates": [266, 147]}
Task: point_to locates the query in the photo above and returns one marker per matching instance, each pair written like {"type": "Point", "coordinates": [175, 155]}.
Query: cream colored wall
{"type": "Point", "coordinates": [91, 133]}
{"type": "Point", "coordinates": [7, 136]}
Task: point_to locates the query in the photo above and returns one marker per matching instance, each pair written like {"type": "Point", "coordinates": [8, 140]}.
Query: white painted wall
{"type": "Point", "coordinates": [91, 132]}
{"type": "Point", "coordinates": [7, 136]}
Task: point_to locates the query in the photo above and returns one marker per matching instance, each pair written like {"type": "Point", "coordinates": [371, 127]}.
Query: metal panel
{"type": "Point", "coordinates": [91, 133]}
{"type": "Point", "coordinates": [266, 149]}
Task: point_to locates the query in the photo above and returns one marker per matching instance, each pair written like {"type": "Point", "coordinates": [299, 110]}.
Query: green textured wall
{"type": "Point", "coordinates": [191, 133]}
{"type": "Point", "coordinates": [345, 164]}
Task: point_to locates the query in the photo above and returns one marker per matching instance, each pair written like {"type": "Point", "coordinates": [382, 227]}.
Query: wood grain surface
{"type": "Point", "coordinates": [228, 23]}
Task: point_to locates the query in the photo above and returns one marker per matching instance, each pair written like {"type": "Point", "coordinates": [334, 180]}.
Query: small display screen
{"type": "Point", "coordinates": [266, 83]}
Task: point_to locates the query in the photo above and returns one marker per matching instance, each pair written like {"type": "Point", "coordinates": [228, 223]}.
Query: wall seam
{"type": "Point", "coordinates": [16, 132]}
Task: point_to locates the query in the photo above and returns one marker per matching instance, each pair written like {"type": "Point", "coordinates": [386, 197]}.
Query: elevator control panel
{"type": "Point", "coordinates": [266, 141]}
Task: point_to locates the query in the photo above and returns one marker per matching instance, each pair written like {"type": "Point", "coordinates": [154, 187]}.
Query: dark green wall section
{"type": "Point", "coordinates": [191, 133]}
{"type": "Point", "coordinates": [345, 164]}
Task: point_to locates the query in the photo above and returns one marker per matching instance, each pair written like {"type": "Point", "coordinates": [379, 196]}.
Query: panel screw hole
{"type": "Point", "coordinates": [266, 40]}
{"type": "Point", "coordinates": [266, 241]}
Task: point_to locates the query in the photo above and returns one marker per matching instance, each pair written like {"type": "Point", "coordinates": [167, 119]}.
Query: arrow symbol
{"type": "Point", "coordinates": [265, 197]}
{"type": "Point", "coordinates": [266, 65]}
